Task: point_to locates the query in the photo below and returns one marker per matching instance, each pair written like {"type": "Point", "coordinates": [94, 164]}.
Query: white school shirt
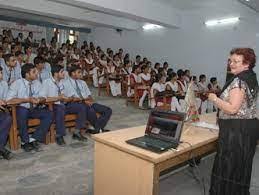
{"type": "Point", "coordinates": [45, 73]}
{"type": "Point", "coordinates": [158, 87]}
{"type": "Point", "coordinates": [136, 78]}
{"type": "Point", "coordinates": [202, 86]}
{"type": "Point", "coordinates": [51, 88]}
{"type": "Point", "coordinates": [20, 89]}
{"type": "Point", "coordinates": [3, 90]}
{"type": "Point", "coordinates": [145, 77]}
{"type": "Point", "coordinates": [173, 86]}
{"type": "Point", "coordinates": [14, 74]}
{"type": "Point", "coordinates": [70, 89]}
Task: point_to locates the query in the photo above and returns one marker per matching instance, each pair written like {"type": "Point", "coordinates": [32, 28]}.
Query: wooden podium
{"type": "Point", "coordinates": [123, 169]}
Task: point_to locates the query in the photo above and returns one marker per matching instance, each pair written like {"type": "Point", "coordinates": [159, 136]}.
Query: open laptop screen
{"type": "Point", "coordinates": [165, 125]}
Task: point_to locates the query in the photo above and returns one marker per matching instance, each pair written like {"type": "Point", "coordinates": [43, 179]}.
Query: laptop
{"type": "Point", "coordinates": [162, 133]}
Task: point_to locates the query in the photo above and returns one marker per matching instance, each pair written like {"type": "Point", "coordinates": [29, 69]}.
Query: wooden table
{"type": "Point", "coordinates": [123, 169]}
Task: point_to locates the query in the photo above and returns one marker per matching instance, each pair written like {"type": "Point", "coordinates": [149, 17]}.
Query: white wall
{"type": "Point", "coordinates": [193, 46]}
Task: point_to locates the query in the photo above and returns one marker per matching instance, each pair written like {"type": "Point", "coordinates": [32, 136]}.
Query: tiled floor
{"type": "Point", "coordinates": [69, 170]}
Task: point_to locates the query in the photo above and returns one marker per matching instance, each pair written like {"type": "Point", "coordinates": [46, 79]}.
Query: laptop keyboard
{"type": "Point", "coordinates": [156, 143]}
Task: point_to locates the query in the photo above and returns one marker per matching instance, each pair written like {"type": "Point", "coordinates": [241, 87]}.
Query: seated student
{"type": "Point", "coordinates": [79, 89]}
{"type": "Point", "coordinates": [182, 84]}
{"type": "Point", "coordinates": [89, 63]}
{"type": "Point", "coordinates": [187, 76]}
{"type": "Point", "coordinates": [116, 60]}
{"type": "Point", "coordinates": [145, 81]}
{"type": "Point", "coordinates": [156, 67]}
{"type": "Point", "coordinates": [47, 67]}
{"type": "Point", "coordinates": [158, 86]}
{"type": "Point", "coordinates": [138, 60]}
{"type": "Point", "coordinates": [43, 72]}
{"type": "Point", "coordinates": [103, 60]}
{"type": "Point", "coordinates": [165, 67]}
{"type": "Point", "coordinates": [162, 71]}
{"type": "Point", "coordinates": [127, 68]}
{"type": "Point", "coordinates": [110, 55]}
{"type": "Point", "coordinates": [177, 102]}
{"type": "Point", "coordinates": [213, 87]}
{"type": "Point", "coordinates": [195, 87]}
{"type": "Point", "coordinates": [202, 86]}
{"type": "Point", "coordinates": [11, 72]}
{"type": "Point", "coordinates": [153, 77]}
{"type": "Point", "coordinates": [115, 80]}
{"type": "Point", "coordinates": [169, 71]}
{"type": "Point", "coordinates": [95, 74]}
{"type": "Point", "coordinates": [29, 55]}
{"type": "Point", "coordinates": [5, 119]}
{"type": "Point", "coordinates": [101, 75]}
{"type": "Point", "coordinates": [111, 74]}
{"type": "Point", "coordinates": [134, 80]}
{"type": "Point", "coordinates": [53, 88]}
{"type": "Point", "coordinates": [19, 58]}
{"type": "Point", "coordinates": [26, 91]}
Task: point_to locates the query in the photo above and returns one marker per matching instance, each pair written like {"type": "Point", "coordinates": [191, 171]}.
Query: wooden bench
{"type": "Point", "coordinates": [32, 124]}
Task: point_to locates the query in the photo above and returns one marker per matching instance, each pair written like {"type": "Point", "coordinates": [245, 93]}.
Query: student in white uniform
{"type": "Point", "coordinates": [202, 85]}
{"type": "Point", "coordinates": [26, 91]}
{"type": "Point", "coordinates": [116, 61]}
{"type": "Point", "coordinates": [114, 86]}
{"type": "Point", "coordinates": [11, 72]}
{"type": "Point", "coordinates": [172, 85]}
{"type": "Point", "coordinates": [53, 88]}
{"type": "Point", "coordinates": [158, 86]}
{"type": "Point", "coordinates": [43, 69]}
{"type": "Point", "coordinates": [156, 67]}
{"type": "Point", "coordinates": [138, 60]}
{"type": "Point", "coordinates": [115, 81]}
{"type": "Point", "coordinates": [91, 108]}
{"type": "Point", "coordinates": [134, 80]}
{"type": "Point", "coordinates": [127, 68]}
{"type": "Point", "coordinates": [145, 80]}
{"type": "Point", "coordinates": [29, 55]}
{"type": "Point", "coordinates": [19, 58]}
{"type": "Point", "coordinates": [99, 70]}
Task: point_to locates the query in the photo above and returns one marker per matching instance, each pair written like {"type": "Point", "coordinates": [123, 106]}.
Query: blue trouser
{"type": "Point", "coordinates": [98, 123]}
{"type": "Point", "coordinates": [23, 114]}
{"type": "Point", "coordinates": [5, 125]}
{"type": "Point", "coordinates": [71, 108]}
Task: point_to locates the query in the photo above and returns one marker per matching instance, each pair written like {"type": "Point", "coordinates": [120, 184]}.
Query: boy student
{"type": "Point", "coordinates": [53, 88]}
{"type": "Point", "coordinates": [5, 119]}
{"type": "Point", "coordinates": [11, 71]}
{"type": "Point", "coordinates": [26, 92]}
{"type": "Point", "coordinates": [43, 72]}
{"type": "Point", "coordinates": [77, 88]}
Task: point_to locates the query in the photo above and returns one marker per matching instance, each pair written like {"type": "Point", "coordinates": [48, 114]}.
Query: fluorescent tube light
{"type": "Point", "coordinates": [151, 26]}
{"type": "Point", "coordinates": [222, 21]}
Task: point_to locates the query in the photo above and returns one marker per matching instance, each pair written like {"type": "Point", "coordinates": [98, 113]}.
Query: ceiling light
{"type": "Point", "coordinates": [222, 21]}
{"type": "Point", "coordinates": [151, 26]}
{"type": "Point", "coordinates": [247, 0]}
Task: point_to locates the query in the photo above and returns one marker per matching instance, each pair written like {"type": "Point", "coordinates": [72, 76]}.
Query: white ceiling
{"type": "Point", "coordinates": [185, 6]}
{"type": "Point", "coordinates": [192, 5]}
{"type": "Point", "coordinates": [188, 5]}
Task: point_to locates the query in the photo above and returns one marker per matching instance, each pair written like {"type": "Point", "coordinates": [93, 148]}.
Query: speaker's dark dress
{"type": "Point", "coordinates": [232, 168]}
